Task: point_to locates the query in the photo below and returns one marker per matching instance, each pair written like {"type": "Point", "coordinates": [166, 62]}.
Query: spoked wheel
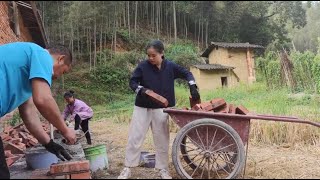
{"type": "Point", "coordinates": [185, 154]}
{"type": "Point", "coordinates": [208, 149]}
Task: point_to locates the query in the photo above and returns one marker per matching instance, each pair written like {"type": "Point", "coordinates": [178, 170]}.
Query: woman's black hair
{"type": "Point", "coordinates": [157, 45]}
{"type": "Point", "coordinates": [69, 94]}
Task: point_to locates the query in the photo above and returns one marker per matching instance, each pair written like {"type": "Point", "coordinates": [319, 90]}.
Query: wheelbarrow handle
{"type": "Point", "coordinates": [172, 111]}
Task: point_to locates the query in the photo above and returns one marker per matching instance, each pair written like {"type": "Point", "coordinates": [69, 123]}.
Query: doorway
{"type": "Point", "coordinates": [224, 81]}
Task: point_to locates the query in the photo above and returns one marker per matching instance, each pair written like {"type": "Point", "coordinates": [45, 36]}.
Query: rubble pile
{"type": "Point", "coordinates": [16, 140]}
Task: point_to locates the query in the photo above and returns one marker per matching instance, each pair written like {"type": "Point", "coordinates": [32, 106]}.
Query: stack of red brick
{"type": "Point", "coordinates": [67, 170]}
{"type": "Point", "coordinates": [219, 105]}
{"type": "Point", "coordinates": [11, 158]}
{"type": "Point", "coordinates": [16, 140]}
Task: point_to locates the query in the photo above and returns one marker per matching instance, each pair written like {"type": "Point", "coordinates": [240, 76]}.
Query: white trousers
{"type": "Point", "coordinates": [142, 119]}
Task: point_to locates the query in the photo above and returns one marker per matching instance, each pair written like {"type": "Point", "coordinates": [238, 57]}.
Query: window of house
{"type": "Point", "coordinates": [224, 81]}
{"type": "Point", "coordinates": [13, 17]}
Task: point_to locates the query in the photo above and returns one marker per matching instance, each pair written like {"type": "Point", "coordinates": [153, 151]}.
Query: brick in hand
{"type": "Point", "coordinates": [157, 98]}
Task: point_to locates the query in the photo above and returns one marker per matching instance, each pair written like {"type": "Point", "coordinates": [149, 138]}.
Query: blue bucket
{"type": "Point", "coordinates": [40, 159]}
{"type": "Point", "coordinates": [147, 160]}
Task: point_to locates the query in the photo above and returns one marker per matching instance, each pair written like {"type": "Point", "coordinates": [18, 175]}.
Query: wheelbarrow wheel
{"type": "Point", "coordinates": [193, 165]}
{"type": "Point", "coordinates": [208, 149]}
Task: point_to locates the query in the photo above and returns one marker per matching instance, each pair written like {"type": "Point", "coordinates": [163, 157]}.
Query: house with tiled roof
{"type": "Point", "coordinates": [229, 64]}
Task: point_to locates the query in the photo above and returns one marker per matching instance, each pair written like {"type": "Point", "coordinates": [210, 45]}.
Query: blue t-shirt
{"type": "Point", "coordinates": [20, 62]}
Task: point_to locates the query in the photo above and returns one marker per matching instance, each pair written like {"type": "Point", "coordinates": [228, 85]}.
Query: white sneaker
{"type": "Point", "coordinates": [165, 174]}
{"type": "Point", "coordinates": [125, 174]}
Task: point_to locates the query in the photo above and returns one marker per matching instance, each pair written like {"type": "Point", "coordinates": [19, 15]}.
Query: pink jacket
{"type": "Point", "coordinates": [80, 108]}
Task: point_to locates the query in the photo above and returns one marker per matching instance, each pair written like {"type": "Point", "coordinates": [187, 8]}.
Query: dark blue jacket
{"type": "Point", "coordinates": [160, 81]}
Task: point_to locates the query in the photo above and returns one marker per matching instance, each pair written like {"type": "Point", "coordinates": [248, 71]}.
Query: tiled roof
{"type": "Point", "coordinates": [212, 67]}
{"type": "Point", "coordinates": [229, 45]}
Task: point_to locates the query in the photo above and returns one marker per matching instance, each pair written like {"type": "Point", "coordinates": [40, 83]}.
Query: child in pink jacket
{"type": "Point", "coordinates": [80, 112]}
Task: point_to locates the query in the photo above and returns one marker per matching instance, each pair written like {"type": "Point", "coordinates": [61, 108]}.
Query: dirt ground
{"type": "Point", "coordinates": [262, 162]}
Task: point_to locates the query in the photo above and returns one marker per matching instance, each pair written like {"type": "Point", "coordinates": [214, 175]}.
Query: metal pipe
{"type": "Point", "coordinates": [267, 115]}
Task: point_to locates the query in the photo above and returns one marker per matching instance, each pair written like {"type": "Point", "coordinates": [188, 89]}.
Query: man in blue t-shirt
{"type": "Point", "coordinates": [26, 73]}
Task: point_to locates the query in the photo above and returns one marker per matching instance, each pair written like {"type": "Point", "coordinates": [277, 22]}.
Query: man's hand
{"type": "Point", "coordinates": [58, 150]}
{"type": "Point", "coordinates": [70, 136]}
{"type": "Point", "coordinates": [194, 92]}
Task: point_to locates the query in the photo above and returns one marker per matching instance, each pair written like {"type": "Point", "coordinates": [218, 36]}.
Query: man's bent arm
{"type": "Point", "coordinates": [32, 121]}
{"type": "Point", "coordinates": [46, 104]}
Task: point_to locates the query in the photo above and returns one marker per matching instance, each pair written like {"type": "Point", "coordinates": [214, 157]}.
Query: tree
{"type": "Point", "coordinates": [268, 23]}
{"type": "Point", "coordinates": [174, 21]}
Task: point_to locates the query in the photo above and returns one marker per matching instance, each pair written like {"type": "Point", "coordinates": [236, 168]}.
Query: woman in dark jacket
{"type": "Point", "coordinates": [156, 74]}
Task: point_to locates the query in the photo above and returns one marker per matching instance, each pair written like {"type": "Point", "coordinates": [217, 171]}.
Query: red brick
{"type": "Point", "coordinates": [157, 98]}
{"type": "Point", "coordinates": [8, 130]}
{"type": "Point", "coordinates": [218, 103]}
{"type": "Point", "coordinates": [69, 167]}
{"type": "Point", "coordinates": [22, 129]}
{"type": "Point", "coordinates": [232, 109]}
{"type": "Point", "coordinates": [21, 146]}
{"type": "Point", "coordinates": [16, 140]}
{"type": "Point", "coordinates": [207, 106]}
{"type": "Point", "coordinates": [14, 148]}
{"type": "Point", "coordinates": [227, 108]}
{"type": "Point", "coordinates": [7, 153]}
{"type": "Point", "coordinates": [5, 137]}
{"type": "Point", "coordinates": [197, 107]}
{"type": "Point", "coordinates": [194, 102]}
{"type": "Point", "coordinates": [13, 132]}
{"type": "Point", "coordinates": [242, 110]}
{"type": "Point", "coordinates": [12, 159]}
{"type": "Point", "coordinates": [85, 175]}
{"type": "Point", "coordinates": [222, 109]}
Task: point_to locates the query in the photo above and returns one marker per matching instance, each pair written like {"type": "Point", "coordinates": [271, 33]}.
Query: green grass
{"type": "Point", "coordinates": [257, 98]}
{"type": "Point", "coordinates": [119, 111]}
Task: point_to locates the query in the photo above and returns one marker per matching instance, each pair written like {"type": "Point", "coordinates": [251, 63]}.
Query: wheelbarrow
{"type": "Point", "coordinates": [214, 145]}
